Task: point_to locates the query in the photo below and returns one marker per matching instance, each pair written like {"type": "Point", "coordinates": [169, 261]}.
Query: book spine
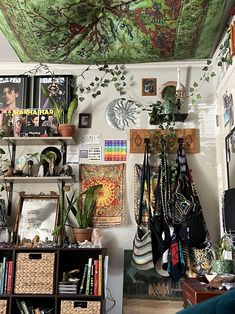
{"type": "Point", "coordinates": [100, 275]}
{"type": "Point", "coordinates": [91, 289]}
{"type": "Point", "coordinates": [24, 307]}
{"type": "Point", "coordinates": [88, 276]}
{"type": "Point", "coordinates": [3, 274]}
{"type": "Point", "coordinates": [19, 306]}
{"type": "Point", "coordinates": [83, 279]}
{"type": "Point", "coordinates": [6, 277]}
{"type": "Point", "coordinates": [96, 276]}
{"type": "Point", "coordinates": [9, 279]}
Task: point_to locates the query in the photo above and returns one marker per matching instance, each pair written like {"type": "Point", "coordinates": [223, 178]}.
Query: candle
{"type": "Point", "coordinates": [178, 79]}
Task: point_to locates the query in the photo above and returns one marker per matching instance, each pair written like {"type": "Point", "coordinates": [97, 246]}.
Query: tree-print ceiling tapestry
{"type": "Point", "coordinates": [110, 31]}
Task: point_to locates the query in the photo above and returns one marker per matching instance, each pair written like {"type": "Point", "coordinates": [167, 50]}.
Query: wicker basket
{"type": "Point", "coordinates": [3, 306]}
{"type": "Point", "coordinates": [80, 307]}
{"type": "Point", "coordinates": [34, 273]}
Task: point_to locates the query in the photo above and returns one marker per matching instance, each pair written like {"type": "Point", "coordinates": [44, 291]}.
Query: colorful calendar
{"type": "Point", "coordinates": [115, 150]}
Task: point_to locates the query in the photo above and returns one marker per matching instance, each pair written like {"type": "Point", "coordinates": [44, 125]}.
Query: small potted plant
{"type": "Point", "coordinates": [64, 117]}
{"type": "Point", "coordinates": [221, 264]}
{"type": "Point", "coordinates": [83, 212]}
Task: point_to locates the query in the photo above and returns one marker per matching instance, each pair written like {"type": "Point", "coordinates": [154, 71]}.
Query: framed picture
{"type": "Point", "coordinates": [84, 120]}
{"type": "Point", "coordinates": [149, 87]}
{"type": "Point", "coordinates": [14, 92]}
{"type": "Point", "coordinates": [60, 89]}
{"type": "Point", "coordinates": [37, 216]}
{"type": "Point", "coordinates": [232, 32]}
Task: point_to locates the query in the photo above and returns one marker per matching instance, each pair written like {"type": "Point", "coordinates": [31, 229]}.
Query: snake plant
{"type": "Point", "coordinates": [85, 205]}
{"type": "Point", "coordinates": [62, 116]}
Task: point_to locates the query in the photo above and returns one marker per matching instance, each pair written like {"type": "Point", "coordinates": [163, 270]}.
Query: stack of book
{"type": "Point", "coordinates": [91, 281]}
{"type": "Point", "coordinates": [67, 287]}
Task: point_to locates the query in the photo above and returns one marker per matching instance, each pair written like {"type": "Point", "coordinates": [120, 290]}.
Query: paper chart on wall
{"type": "Point", "coordinates": [115, 150]}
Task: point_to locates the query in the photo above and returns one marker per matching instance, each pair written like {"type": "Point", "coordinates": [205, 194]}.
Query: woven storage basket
{"type": "Point", "coordinates": [76, 307]}
{"type": "Point", "coordinates": [34, 273]}
{"type": "Point", "coordinates": [3, 306]}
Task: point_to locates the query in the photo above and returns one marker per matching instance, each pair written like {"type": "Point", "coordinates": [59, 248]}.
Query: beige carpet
{"type": "Point", "coordinates": [139, 306]}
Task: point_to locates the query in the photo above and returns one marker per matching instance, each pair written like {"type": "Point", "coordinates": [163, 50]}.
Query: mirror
{"type": "Point", "coordinates": [37, 216]}
{"type": "Point", "coordinates": [230, 158]}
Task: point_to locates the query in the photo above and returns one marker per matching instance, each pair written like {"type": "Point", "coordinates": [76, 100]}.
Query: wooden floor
{"type": "Point", "coordinates": [139, 306]}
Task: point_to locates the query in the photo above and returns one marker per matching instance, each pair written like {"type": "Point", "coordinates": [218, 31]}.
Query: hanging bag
{"type": "Point", "coordinates": [142, 256]}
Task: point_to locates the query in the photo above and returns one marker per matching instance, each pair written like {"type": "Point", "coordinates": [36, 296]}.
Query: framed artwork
{"type": "Point", "coordinates": [228, 109]}
{"type": "Point", "coordinates": [37, 215]}
{"type": "Point", "coordinates": [60, 89]}
{"type": "Point", "coordinates": [232, 39]}
{"type": "Point", "coordinates": [14, 92]}
{"type": "Point", "coordinates": [230, 158]}
{"type": "Point", "coordinates": [149, 87]}
{"type": "Point", "coordinates": [84, 120]}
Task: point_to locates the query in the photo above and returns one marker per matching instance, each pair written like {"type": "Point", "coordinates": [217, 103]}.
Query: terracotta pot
{"type": "Point", "coordinates": [80, 235]}
{"type": "Point", "coordinates": [67, 130]}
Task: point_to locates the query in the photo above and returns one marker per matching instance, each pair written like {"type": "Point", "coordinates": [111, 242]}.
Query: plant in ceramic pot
{"type": "Point", "coordinates": [64, 117]}
{"type": "Point", "coordinates": [83, 212]}
{"type": "Point", "coordinates": [222, 264]}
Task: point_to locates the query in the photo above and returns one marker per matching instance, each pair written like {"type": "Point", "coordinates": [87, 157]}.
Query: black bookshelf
{"type": "Point", "coordinates": [66, 259]}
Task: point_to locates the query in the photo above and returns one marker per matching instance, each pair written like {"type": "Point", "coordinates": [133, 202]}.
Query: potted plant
{"type": "Point", "coordinates": [64, 205]}
{"type": "Point", "coordinates": [222, 264]}
{"type": "Point", "coordinates": [64, 117]}
{"type": "Point", "coordinates": [83, 212]}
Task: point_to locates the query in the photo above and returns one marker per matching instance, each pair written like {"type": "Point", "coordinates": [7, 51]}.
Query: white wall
{"type": "Point", "coordinates": [203, 164]}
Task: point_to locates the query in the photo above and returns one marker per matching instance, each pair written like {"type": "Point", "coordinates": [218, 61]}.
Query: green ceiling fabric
{"type": "Point", "coordinates": [110, 31]}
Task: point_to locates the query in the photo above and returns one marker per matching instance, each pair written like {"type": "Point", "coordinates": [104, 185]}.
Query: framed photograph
{"type": "Point", "coordinates": [149, 87]}
{"type": "Point", "coordinates": [84, 120]}
{"type": "Point", "coordinates": [37, 216]}
{"type": "Point", "coordinates": [60, 89]}
{"type": "Point", "coordinates": [14, 92]}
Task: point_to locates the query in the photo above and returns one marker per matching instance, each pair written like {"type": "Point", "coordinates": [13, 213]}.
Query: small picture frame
{"type": "Point", "coordinates": [14, 92]}
{"type": "Point", "coordinates": [149, 87]}
{"type": "Point", "coordinates": [59, 87]}
{"type": "Point", "coordinates": [84, 120]}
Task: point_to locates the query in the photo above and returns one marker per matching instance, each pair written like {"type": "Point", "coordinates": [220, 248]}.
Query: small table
{"type": "Point", "coordinates": [194, 291]}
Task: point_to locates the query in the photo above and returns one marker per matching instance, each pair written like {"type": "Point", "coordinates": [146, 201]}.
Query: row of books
{"type": "Point", "coordinates": [91, 281]}
{"type": "Point", "coordinates": [24, 308]}
{"type": "Point", "coordinates": [5, 276]}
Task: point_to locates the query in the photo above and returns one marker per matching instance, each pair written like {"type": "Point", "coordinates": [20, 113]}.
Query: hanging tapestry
{"type": "Point", "coordinates": [109, 209]}
{"type": "Point", "coordinates": [137, 181]}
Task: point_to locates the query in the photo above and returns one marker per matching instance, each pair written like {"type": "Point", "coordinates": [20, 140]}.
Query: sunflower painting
{"type": "Point", "coordinates": [111, 199]}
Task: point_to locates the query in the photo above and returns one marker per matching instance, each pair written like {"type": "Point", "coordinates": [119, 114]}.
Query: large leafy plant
{"type": "Point", "coordinates": [62, 114]}
{"type": "Point", "coordinates": [85, 205]}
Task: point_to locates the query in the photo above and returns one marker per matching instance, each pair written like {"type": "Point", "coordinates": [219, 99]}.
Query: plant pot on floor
{"type": "Point", "coordinates": [80, 235]}
{"type": "Point", "coordinates": [67, 130]}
